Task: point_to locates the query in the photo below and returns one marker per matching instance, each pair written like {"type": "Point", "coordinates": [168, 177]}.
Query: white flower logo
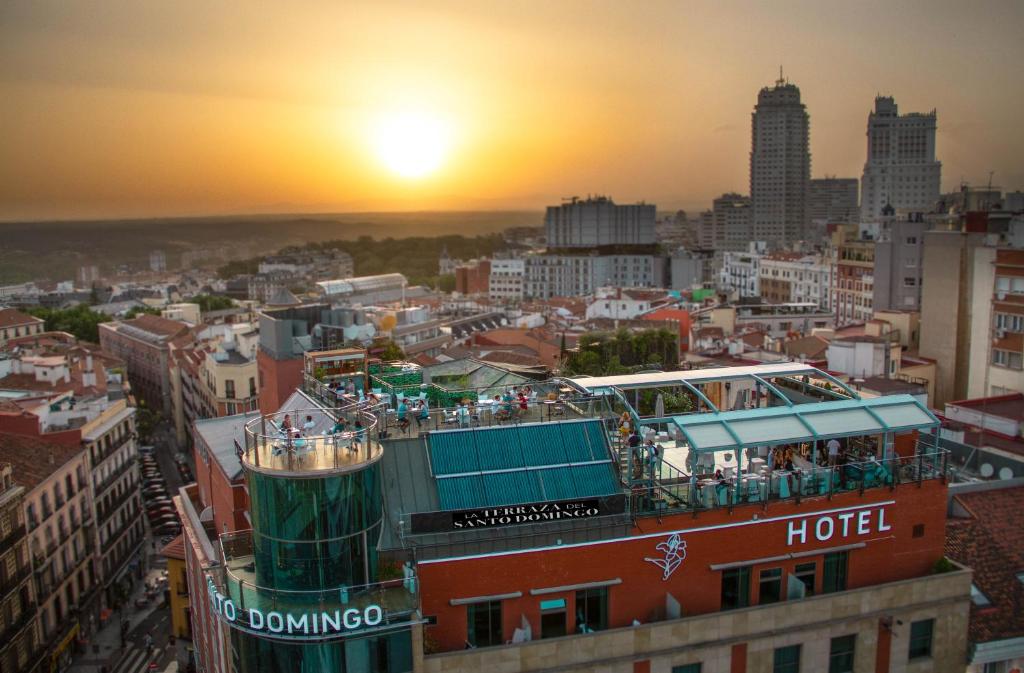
{"type": "Point", "coordinates": [675, 551]}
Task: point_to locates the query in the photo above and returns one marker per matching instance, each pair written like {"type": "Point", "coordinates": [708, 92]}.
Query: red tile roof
{"type": "Point", "coordinates": [175, 548]}
{"type": "Point", "coordinates": [9, 317]}
{"type": "Point", "coordinates": [155, 324]}
{"type": "Point", "coordinates": [991, 542]}
{"type": "Point", "coordinates": [34, 460]}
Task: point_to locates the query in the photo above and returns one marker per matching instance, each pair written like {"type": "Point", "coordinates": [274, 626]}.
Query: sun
{"type": "Point", "coordinates": [412, 144]}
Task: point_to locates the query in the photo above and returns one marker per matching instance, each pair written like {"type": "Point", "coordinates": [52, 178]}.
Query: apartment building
{"type": "Point", "coordinates": [14, 324]}
{"type": "Point", "coordinates": [728, 225]}
{"type": "Point", "coordinates": [58, 512]}
{"type": "Point", "coordinates": [741, 271]}
{"type": "Point", "coordinates": [599, 222]}
{"type": "Point", "coordinates": [20, 642]}
{"type": "Point", "coordinates": [972, 293]}
{"type": "Point", "coordinates": [899, 248]}
{"type": "Point", "coordinates": [506, 280]}
{"type": "Point", "coordinates": [853, 284]}
{"type": "Point", "coordinates": [145, 345]}
{"type": "Point", "coordinates": [792, 277]}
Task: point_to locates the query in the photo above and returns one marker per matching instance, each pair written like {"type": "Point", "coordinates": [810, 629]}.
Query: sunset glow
{"type": "Point", "coordinates": [410, 143]}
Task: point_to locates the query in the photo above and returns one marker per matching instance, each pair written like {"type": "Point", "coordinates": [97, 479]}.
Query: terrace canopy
{"type": "Point", "coordinates": [733, 430]}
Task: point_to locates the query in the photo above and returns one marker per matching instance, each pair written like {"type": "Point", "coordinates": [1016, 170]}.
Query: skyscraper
{"type": "Point", "coordinates": [901, 169]}
{"type": "Point", "coordinates": [780, 164]}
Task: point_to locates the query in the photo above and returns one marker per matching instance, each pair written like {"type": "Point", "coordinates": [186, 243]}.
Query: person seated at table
{"type": "Point", "coordinates": [308, 426]}
{"type": "Point", "coordinates": [339, 426]}
{"type": "Point", "coordinates": [524, 403]}
{"type": "Point", "coordinates": [462, 415]}
{"type": "Point", "coordinates": [402, 415]}
{"type": "Point", "coordinates": [422, 413]}
{"type": "Point", "coordinates": [358, 433]}
{"type": "Point", "coordinates": [286, 424]}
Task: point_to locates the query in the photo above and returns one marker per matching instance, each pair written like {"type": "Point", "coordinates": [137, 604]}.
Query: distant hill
{"type": "Point", "coordinates": [55, 250]}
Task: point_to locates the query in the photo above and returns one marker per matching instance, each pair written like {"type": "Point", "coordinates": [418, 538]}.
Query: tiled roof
{"type": "Point", "coordinates": [154, 324]}
{"type": "Point", "coordinates": [991, 542]}
{"type": "Point", "coordinates": [9, 317]}
{"type": "Point", "coordinates": [175, 548]}
{"type": "Point", "coordinates": [810, 346]}
{"type": "Point", "coordinates": [34, 460]}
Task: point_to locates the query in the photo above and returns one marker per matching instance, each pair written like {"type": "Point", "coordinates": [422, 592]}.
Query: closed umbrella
{"type": "Point", "coordinates": [659, 406]}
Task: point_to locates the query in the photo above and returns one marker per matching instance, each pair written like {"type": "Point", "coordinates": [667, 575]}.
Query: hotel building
{"type": "Point", "coordinates": [535, 539]}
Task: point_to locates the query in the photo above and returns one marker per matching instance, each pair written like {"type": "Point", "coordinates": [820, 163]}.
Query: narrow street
{"type": "Point", "coordinates": [106, 653]}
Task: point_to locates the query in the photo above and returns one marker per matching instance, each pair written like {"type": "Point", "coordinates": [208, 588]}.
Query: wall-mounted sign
{"type": "Point", "coordinates": [674, 550]}
{"type": "Point", "coordinates": [517, 515]}
{"type": "Point", "coordinates": [839, 525]}
{"type": "Point", "coordinates": [280, 623]}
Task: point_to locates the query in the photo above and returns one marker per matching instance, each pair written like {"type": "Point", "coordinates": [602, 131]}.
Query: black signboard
{"type": "Point", "coordinates": [517, 515]}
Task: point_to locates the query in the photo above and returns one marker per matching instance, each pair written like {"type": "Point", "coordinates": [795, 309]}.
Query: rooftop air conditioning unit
{"type": "Point", "coordinates": [1000, 334]}
{"type": "Point", "coordinates": [1000, 295]}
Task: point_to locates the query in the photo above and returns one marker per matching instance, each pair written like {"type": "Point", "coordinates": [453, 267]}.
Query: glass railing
{"type": "Point", "coordinates": [329, 612]}
{"type": "Point", "coordinates": [670, 488]}
{"type": "Point", "coordinates": [313, 440]}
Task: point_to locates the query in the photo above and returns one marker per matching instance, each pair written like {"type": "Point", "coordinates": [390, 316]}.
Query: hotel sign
{"type": "Point", "coordinates": [517, 515]}
{"type": "Point", "coordinates": [317, 623]}
{"type": "Point", "coordinates": [838, 525]}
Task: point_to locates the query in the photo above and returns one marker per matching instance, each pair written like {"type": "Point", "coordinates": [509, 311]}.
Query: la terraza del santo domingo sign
{"type": "Point", "coordinates": [517, 515]}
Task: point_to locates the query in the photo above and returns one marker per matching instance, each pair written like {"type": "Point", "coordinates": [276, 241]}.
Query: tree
{"type": "Point", "coordinates": [146, 421]}
{"type": "Point", "coordinates": [80, 321]}
{"type": "Point", "coordinates": [212, 302]}
{"type": "Point", "coordinates": [136, 311]}
{"type": "Point", "coordinates": [391, 351]}
{"type": "Point", "coordinates": [446, 283]}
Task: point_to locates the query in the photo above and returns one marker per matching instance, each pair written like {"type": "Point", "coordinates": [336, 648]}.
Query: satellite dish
{"type": "Point", "coordinates": [987, 470]}
{"type": "Point", "coordinates": [1006, 473]}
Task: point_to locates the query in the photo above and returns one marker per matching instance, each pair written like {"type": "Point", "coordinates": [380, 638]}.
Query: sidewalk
{"type": "Point", "coordinates": [108, 638]}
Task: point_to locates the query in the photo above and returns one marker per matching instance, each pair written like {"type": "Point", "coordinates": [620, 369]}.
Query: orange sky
{"type": "Point", "coordinates": [191, 107]}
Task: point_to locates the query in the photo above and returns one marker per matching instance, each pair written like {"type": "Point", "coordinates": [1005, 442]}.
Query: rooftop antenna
{"type": "Point", "coordinates": [781, 80]}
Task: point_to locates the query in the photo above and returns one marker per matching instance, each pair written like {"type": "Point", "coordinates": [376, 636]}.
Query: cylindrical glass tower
{"type": "Point", "coordinates": [302, 591]}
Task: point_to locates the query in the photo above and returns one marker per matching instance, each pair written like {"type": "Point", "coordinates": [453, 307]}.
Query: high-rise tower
{"type": "Point", "coordinates": [780, 164]}
{"type": "Point", "coordinates": [901, 169]}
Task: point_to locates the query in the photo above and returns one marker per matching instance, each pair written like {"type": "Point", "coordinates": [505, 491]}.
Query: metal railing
{"type": "Point", "coordinates": [673, 489]}
{"type": "Point", "coordinates": [398, 598]}
{"type": "Point", "coordinates": [16, 532]}
{"type": "Point", "coordinates": [116, 474]}
{"type": "Point", "coordinates": [12, 582]}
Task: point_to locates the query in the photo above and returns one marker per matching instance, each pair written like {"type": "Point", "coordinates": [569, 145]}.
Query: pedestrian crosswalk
{"type": "Point", "coordinates": [134, 661]}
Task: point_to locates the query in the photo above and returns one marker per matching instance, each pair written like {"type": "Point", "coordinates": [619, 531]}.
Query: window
{"type": "Point", "coordinates": [552, 618]}
{"type": "Point", "coordinates": [592, 609]}
{"type": "Point", "coordinates": [229, 389]}
{"type": "Point", "coordinates": [687, 668]}
{"type": "Point", "coordinates": [978, 598]}
{"type": "Point", "coordinates": [787, 659]}
{"type": "Point", "coordinates": [252, 386]}
{"type": "Point", "coordinates": [840, 654]}
{"type": "Point", "coordinates": [484, 624]}
{"type": "Point", "coordinates": [1009, 359]}
{"type": "Point", "coordinates": [770, 590]}
{"type": "Point", "coordinates": [805, 572]}
{"type": "Point", "coordinates": [735, 588]}
{"type": "Point", "coordinates": [917, 530]}
{"type": "Point", "coordinates": [834, 578]}
{"type": "Point", "coordinates": [921, 639]}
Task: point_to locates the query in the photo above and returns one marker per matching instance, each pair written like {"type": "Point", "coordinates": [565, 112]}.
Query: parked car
{"type": "Point", "coordinates": [168, 529]}
{"type": "Point", "coordinates": [147, 449]}
{"type": "Point", "coordinates": [159, 511]}
{"type": "Point", "coordinates": [153, 492]}
{"type": "Point", "coordinates": [163, 521]}
{"type": "Point", "coordinates": [153, 481]}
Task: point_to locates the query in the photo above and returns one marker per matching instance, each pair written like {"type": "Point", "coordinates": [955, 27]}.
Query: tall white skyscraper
{"type": "Point", "coordinates": [901, 169]}
{"type": "Point", "coordinates": [780, 164]}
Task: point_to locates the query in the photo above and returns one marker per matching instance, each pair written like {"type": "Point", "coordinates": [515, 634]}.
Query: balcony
{"type": "Point", "coordinates": [339, 612]}
{"type": "Point", "coordinates": [28, 613]}
{"type": "Point", "coordinates": [114, 476]}
{"type": "Point", "coordinates": [117, 444]}
{"type": "Point", "coordinates": [7, 542]}
{"type": "Point", "coordinates": [103, 512]}
{"type": "Point", "coordinates": [11, 583]}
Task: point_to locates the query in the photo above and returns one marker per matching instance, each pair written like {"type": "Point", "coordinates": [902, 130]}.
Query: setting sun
{"type": "Point", "coordinates": [411, 143]}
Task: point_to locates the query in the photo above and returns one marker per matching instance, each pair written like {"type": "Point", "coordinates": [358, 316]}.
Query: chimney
{"type": "Point", "coordinates": [52, 459]}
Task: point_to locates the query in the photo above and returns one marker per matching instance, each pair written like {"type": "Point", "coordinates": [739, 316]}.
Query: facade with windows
{"type": "Point", "coordinates": [117, 530]}
{"type": "Point", "coordinates": [901, 170]}
{"type": "Point", "coordinates": [471, 542]}
{"type": "Point", "coordinates": [551, 275]}
{"type": "Point", "coordinates": [20, 644]}
{"type": "Point", "coordinates": [899, 251]}
{"type": "Point", "coordinates": [58, 518]}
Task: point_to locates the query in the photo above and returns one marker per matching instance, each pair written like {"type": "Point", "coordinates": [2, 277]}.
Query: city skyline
{"type": "Point", "coordinates": [146, 111]}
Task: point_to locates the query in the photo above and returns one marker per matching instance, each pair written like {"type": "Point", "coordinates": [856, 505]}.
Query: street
{"type": "Point", "coordinates": [105, 653]}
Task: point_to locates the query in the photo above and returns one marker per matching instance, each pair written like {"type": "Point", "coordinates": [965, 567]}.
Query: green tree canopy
{"type": "Point", "coordinates": [81, 321]}
{"type": "Point", "coordinates": [211, 302]}
{"type": "Point", "coordinates": [610, 353]}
